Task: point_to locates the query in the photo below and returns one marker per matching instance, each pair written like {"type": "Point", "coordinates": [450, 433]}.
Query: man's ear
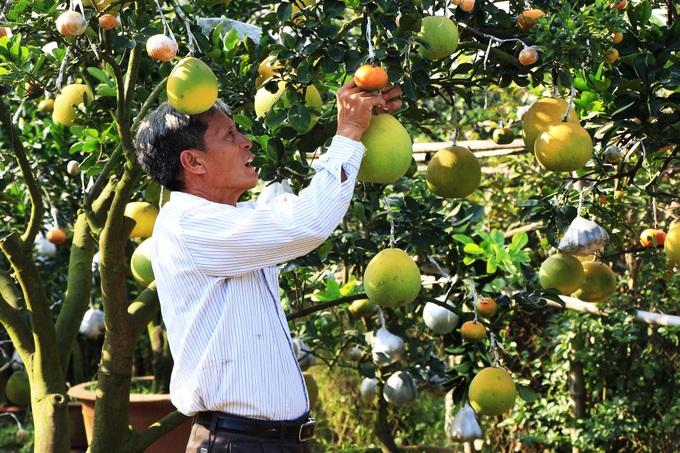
{"type": "Point", "coordinates": [192, 161]}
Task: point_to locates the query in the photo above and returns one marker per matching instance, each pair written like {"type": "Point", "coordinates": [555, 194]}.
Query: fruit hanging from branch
{"type": "Point", "coordinates": [192, 86]}
{"type": "Point", "coordinates": [453, 172]}
{"type": "Point", "coordinates": [71, 23]}
{"type": "Point", "coordinates": [388, 150]}
{"type": "Point", "coordinates": [392, 278]}
{"type": "Point", "coordinates": [161, 47]}
{"type": "Point", "coordinates": [371, 77]}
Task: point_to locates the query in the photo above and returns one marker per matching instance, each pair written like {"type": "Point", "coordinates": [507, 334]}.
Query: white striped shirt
{"type": "Point", "coordinates": [215, 268]}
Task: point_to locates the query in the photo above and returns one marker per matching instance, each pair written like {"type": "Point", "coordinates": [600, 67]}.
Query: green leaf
{"type": "Point", "coordinates": [473, 249]}
{"type": "Point", "coordinates": [463, 239]}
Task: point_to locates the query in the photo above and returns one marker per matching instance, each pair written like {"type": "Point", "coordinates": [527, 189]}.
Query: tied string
{"type": "Point", "coordinates": [166, 28]}
{"type": "Point", "coordinates": [494, 346]}
{"type": "Point", "coordinates": [474, 295]}
{"type": "Point", "coordinates": [369, 39]}
{"type": "Point", "coordinates": [390, 217]}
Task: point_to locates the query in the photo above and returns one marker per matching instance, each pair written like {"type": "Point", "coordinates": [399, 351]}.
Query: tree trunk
{"type": "Point", "coordinates": [577, 389]}
{"type": "Point", "coordinates": [382, 427]}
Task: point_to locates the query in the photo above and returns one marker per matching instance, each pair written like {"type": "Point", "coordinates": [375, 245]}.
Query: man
{"type": "Point", "coordinates": [215, 262]}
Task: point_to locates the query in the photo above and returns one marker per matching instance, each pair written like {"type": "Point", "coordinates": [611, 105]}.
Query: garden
{"type": "Point", "coordinates": [505, 279]}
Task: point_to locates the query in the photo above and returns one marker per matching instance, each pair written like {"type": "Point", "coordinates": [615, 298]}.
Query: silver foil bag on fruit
{"type": "Point", "coordinates": [583, 237]}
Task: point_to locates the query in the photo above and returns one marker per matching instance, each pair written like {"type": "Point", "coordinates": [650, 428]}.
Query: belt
{"type": "Point", "coordinates": [301, 429]}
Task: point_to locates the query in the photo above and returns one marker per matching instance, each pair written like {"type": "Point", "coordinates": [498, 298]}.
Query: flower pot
{"type": "Point", "coordinates": [145, 409]}
{"type": "Point", "coordinates": [77, 427]}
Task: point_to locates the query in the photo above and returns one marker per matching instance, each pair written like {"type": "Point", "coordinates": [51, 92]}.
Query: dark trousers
{"type": "Point", "coordinates": [202, 441]}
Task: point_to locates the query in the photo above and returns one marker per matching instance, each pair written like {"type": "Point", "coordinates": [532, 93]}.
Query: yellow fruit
{"type": "Point", "coordinates": [527, 19]}
{"type": "Point", "coordinates": [453, 172]}
{"type": "Point", "coordinates": [312, 389]}
{"type": "Point", "coordinates": [503, 135]}
{"type": "Point", "coordinates": [473, 331]}
{"type": "Point", "coordinates": [392, 278]}
{"type": "Point", "coordinates": [192, 86]}
{"type": "Point", "coordinates": [441, 33]}
{"type": "Point", "coordinates": [563, 147]}
{"type": "Point", "coordinates": [140, 263]}
{"type": "Point", "coordinates": [562, 272]}
{"type": "Point", "coordinates": [18, 388]}
{"type": "Point", "coordinates": [672, 243]}
{"type": "Point", "coordinates": [388, 153]}
{"type": "Point", "coordinates": [145, 215]}
{"type": "Point", "coordinates": [362, 308]}
{"type": "Point", "coordinates": [267, 69]}
{"type": "Point", "coordinates": [540, 114]}
{"type": "Point", "coordinates": [492, 391]}
{"type": "Point", "coordinates": [617, 37]}
{"type": "Point", "coordinates": [466, 5]}
{"type": "Point", "coordinates": [265, 101]}
{"type": "Point", "coordinates": [64, 109]}
{"type": "Point", "coordinates": [599, 283]}
{"type": "Point", "coordinates": [46, 105]}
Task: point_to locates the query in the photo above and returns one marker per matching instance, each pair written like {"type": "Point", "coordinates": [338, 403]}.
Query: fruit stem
{"type": "Point", "coordinates": [570, 105]}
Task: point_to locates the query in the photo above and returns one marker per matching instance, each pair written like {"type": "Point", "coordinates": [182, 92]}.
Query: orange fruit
{"type": "Point", "coordinates": [109, 21]}
{"type": "Point", "coordinates": [473, 331]}
{"type": "Point", "coordinates": [3, 31]}
{"type": "Point", "coordinates": [161, 47]}
{"type": "Point", "coordinates": [527, 19]}
{"type": "Point", "coordinates": [599, 283]}
{"type": "Point", "coordinates": [56, 236]}
{"type": "Point", "coordinates": [620, 5]}
{"type": "Point", "coordinates": [651, 237]}
{"type": "Point", "coordinates": [611, 55]}
{"type": "Point", "coordinates": [617, 37]}
{"type": "Point", "coordinates": [467, 5]}
{"type": "Point", "coordinates": [528, 56]}
{"type": "Point", "coordinates": [486, 307]}
{"type": "Point", "coordinates": [370, 77]}
{"type": "Point", "coordinates": [71, 23]}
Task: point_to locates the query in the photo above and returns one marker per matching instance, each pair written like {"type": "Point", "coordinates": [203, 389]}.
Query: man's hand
{"type": "Point", "coordinates": [356, 106]}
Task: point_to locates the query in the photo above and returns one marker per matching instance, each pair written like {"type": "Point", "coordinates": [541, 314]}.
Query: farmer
{"type": "Point", "coordinates": [215, 262]}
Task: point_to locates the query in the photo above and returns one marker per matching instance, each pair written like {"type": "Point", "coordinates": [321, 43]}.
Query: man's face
{"type": "Point", "coordinates": [227, 159]}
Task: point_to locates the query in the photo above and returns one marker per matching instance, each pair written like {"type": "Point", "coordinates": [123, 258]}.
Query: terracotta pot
{"type": "Point", "coordinates": [145, 409]}
{"type": "Point", "coordinates": [77, 427]}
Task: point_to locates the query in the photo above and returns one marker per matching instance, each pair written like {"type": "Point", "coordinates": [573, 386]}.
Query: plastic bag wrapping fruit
{"type": "Point", "coordinates": [464, 426]}
{"type": "Point", "coordinates": [583, 237]}
{"type": "Point", "coordinates": [273, 190]}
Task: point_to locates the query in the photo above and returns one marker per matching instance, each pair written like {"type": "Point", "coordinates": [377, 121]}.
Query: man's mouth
{"type": "Point", "coordinates": [249, 163]}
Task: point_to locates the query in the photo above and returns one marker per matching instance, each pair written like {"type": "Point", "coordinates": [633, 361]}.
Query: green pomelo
{"type": "Point", "coordinates": [453, 172]}
{"type": "Point", "coordinates": [65, 109]}
{"type": "Point", "coordinates": [599, 283]}
{"type": "Point", "coordinates": [562, 272]}
{"type": "Point", "coordinates": [492, 392]}
{"type": "Point", "coordinates": [312, 389]}
{"type": "Point", "coordinates": [441, 33]}
{"type": "Point", "coordinates": [540, 114]}
{"type": "Point", "coordinates": [671, 244]}
{"type": "Point", "coordinates": [18, 388]}
{"type": "Point", "coordinates": [140, 263]}
{"type": "Point", "coordinates": [563, 147]}
{"type": "Point", "coordinates": [192, 86]}
{"type": "Point", "coordinates": [392, 278]}
{"type": "Point", "coordinates": [388, 150]}
{"type": "Point", "coordinates": [265, 101]}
